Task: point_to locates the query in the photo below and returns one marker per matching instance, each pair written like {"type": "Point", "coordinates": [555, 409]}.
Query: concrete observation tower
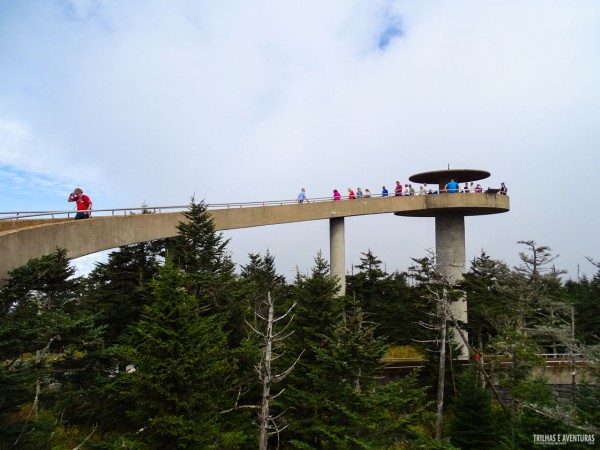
{"type": "Point", "coordinates": [449, 211]}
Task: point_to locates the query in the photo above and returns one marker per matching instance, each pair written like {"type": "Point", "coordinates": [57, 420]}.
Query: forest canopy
{"type": "Point", "coordinates": [167, 345]}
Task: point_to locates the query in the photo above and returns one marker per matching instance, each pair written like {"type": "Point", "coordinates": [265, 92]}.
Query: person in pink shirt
{"type": "Point", "coordinates": [336, 195]}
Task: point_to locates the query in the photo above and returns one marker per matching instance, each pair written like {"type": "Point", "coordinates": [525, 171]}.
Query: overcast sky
{"type": "Point", "coordinates": [152, 102]}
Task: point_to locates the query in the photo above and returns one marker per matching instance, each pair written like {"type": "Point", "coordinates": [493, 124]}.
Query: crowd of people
{"type": "Point", "coordinates": [451, 187]}
{"type": "Point", "coordinates": [84, 204]}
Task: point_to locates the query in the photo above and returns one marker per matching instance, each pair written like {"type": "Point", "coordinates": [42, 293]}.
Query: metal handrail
{"type": "Point", "coordinates": [16, 215]}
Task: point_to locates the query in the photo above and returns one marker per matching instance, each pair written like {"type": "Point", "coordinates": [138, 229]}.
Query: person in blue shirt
{"type": "Point", "coordinates": [384, 192]}
{"type": "Point", "coordinates": [451, 186]}
{"type": "Point", "coordinates": [302, 196]}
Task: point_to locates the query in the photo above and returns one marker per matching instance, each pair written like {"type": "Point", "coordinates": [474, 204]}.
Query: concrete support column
{"type": "Point", "coordinates": [337, 252]}
{"type": "Point", "coordinates": [450, 245]}
{"type": "Point", "coordinates": [450, 260]}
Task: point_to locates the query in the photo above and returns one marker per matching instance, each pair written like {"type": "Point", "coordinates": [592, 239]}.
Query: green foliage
{"type": "Point", "coordinates": [45, 340]}
{"type": "Point", "coordinates": [317, 311]}
{"type": "Point", "coordinates": [116, 292]}
{"type": "Point", "coordinates": [336, 400]}
{"type": "Point", "coordinates": [585, 295]}
{"type": "Point", "coordinates": [400, 413]}
{"type": "Point", "coordinates": [182, 368]}
{"type": "Point", "coordinates": [481, 285]}
{"type": "Point", "coordinates": [473, 425]}
{"type": "Point", "coordinates": [387, 299]}
{"type": "Point", "coordinates": [588, 399]}
{"type": "Point", "coordinates": [142, 355]}
{"type": "Point", "coordinates": [198, 249]}
{"type": "Point", "coordinates": [202, 256]}
{"type": "Point", "coordinates": [260, 278]}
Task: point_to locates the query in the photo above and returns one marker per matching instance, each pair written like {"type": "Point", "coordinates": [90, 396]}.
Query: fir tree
{"type": "Point", "coordinates": [200, 251]}
{"type": "Point", "coordinates": [317, 312]}
{"type": "Point", "coordinates": [261, 277]}
{"type": "Point", "coordinates": [481, 285]}
{"type": "Point", "coordinates": [182, 369]}
{"type": "Point", "coordinates": [202, 256]}
{"type": "Point", "coordinates": [586, 299]}
{"type": "Point", "coordinates": [386, 298]}
{"type": "Point", "coordinates": [116, 292]}
{"type": "Point", "coordinates": [45, 341]}
{"type": "Point", "coordinates": [472, 425]}
{"type": "Point", "coordinates": [348, 366]}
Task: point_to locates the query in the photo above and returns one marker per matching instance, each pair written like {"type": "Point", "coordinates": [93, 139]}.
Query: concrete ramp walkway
{"type": "Point", "coordinates": [82, 237]}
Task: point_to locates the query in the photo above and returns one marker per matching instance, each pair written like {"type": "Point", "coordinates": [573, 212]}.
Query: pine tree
{"type": "Point", "coordinates": [116, 292]}
{"type": "Point", "coordinates": [261, 277]}
{"type": "Point", "coordinates": [182, 369]}
{"type": "Point", "coordinates": [317, 312]}
{"type": "Point", "coordinates": [586, 299]}
{"type": "Point", "coordinates": [386, 298]}
{"type": "Point", "coordinates": [45, 341]}
{"type": "Point", "coordinates": [400, 414]}
{"type": "Point", "coordinates": [472, 425]}
{"type": "Point", "coordinates": [348, 366]}
{"type": "Point", "coordinates": [481, 284]}
{"type": "Point", "coordinates": [201, 254]}
{"type": "Point", "coordinates": [117, 289]}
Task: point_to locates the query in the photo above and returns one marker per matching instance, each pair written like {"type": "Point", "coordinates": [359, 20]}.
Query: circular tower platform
{"type": "Point", "coordinates": [441, 177]}
{"type": "Point", "coordinates": [449, 210]}
{"type": "Point", "coordinates": [465, 204]}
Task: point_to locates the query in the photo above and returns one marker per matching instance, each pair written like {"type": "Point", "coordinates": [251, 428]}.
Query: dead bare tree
{"type": "Point", "coordinates": [439, 291]}
{"type": "Point", "coordinates": [268, 424]}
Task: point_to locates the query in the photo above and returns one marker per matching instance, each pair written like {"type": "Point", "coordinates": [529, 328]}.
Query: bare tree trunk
{"type": "Point", "coordinates": [267, 379]}
{"type": "Point", "coordinates": [442, 370]}
{"type": "Point", "coordinates": [38, 388]}
{"type": "Point", "coordinates": [573, 358]}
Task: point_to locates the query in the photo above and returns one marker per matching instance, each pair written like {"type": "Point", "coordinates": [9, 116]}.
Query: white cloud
{"type": "Point", "coordinates": [236, 102]}
{"type": "Point", "coordinates": [12, 141]}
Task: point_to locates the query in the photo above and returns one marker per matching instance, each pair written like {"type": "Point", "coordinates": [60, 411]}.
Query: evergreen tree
{"type": "Point", "coordinates": [116, 292]}
{"type": "Point", "coordinates": [45, 341]}
{"type": "Point", "coordinates": [472, 425]}
{"type": "Point", "coordinates": [118, 288]}
{"type": "Point", "coordinates": [260, 281]}
{"type": "Point", "coordinates": [586, 299]}
{"type": "Point", "coordinates": [182, 369]}
{"type": "Point", "coordinates": [318, 311]}
{"type": "Point", "coordinates": [387, 300]}
{"type": "Point", "coordinates": [348, 366]}
{"type": "Point", "coordinates": [201, 254]}
{"type": "Point", "coordinates": [481, 284]}
{"type": "Point", "coordinates": [400, 415]}
{"type": "Point", "coordinates": [261, 277]}
{"type": "Point", "coordinates": [588, 402]}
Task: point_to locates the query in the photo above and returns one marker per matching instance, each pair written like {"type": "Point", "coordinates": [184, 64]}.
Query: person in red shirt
{"type": "Point", "coordinates": [398, 189]}
{"type": "Point", "coordinates": [351, 195]}
{"type": "Point", "coordinates": [84, 204]}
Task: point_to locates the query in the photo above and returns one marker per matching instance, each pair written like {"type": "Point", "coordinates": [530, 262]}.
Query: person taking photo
{"type": "Point", "coordinates": [84, 204]}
